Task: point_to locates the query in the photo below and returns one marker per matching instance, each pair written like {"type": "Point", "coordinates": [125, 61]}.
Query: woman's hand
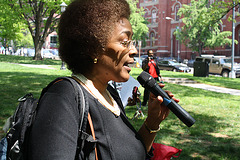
{"type": "Point", "coordinates": [157, 111]}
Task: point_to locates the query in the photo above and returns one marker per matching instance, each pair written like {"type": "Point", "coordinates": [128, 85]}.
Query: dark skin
{"type": "Point", "coordinates": [157, 112]}
{"type": "Point", "coordinates": [113, 65]}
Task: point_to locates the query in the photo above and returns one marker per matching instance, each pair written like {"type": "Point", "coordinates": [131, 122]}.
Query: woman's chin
{"type": "Point", "coordinates": [124, 77]}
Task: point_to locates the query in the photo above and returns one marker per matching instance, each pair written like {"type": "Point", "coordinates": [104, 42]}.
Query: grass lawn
{"type": "Point", "coordinates": [215, 135]}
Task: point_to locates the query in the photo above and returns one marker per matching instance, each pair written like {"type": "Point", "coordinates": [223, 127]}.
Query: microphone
{"type": "Point", "coordinates": [148, 82]}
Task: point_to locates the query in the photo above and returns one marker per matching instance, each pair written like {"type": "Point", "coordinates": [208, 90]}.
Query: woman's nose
{"type": "Point", "coordinates": [133, 50]}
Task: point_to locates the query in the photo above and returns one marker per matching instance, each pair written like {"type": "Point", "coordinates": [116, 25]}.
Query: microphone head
{"type": "Point", "coordinates": [145, 78]}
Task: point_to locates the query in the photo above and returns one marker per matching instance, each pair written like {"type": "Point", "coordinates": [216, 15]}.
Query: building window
{"type": "Point", "coordinates": [176, 12]}
{"type": "Point", "coordinates": [145, 12]}
{"type": "Point", "coordinates": [53, 39]}
{"type": "Point", "coordinates": [238, 7]}
{"type": "Point", "coordinates": [152, 39]}
{"type": "Point", "coordinates": [220, 27]}
{"type": "Point", "coordinates": [211, 2]}
{"type": "Point", "coordinates": [154, 15]}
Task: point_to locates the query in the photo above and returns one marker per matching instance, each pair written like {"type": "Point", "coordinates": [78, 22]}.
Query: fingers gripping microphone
{"type": "Point", "coordinates": [148, 82]}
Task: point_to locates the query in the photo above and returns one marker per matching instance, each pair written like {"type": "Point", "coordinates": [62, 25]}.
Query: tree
{"type": "Point", "coordinates": [202, 25]}
{"type": "Point", "coordinates": [10, 25]}
{"type": "Point", "coordinates": [12, 29]}
{"type": "Point", "coordinates": [24, 40]}
{"type": "Point", "coordinates": [40, 16]}
{"type": "Point", "coordinates": [138, 22]}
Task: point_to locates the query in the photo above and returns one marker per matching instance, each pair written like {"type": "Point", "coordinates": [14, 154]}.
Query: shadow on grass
{"type": "Point", "coordinates": [207, 138]}
{"type": "Point", "coordinates": [15, 85]}
{"type": "Point", "coordinates": [204, 139]}
{"type": "Point", "coordinates": [28, 60]}
{"type": "Point", "coordinates": [198, 141]}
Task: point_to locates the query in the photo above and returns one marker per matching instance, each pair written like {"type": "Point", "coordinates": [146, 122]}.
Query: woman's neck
{"type": "Point", "coordinates": [100, 85]}
{"type": "Point", "coordinates": [103, 97]}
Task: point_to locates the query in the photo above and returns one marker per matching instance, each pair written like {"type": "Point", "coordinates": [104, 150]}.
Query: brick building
{"type": "Point", "coordinates": [163, 21]}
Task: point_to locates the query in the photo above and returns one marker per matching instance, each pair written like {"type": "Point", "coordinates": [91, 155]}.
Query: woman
{"type": "Point", "coordinates": [95, 42]}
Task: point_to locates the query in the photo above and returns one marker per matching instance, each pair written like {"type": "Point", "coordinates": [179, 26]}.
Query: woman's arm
{"type": "Point", "coordinates": [157, 112]}
{"type": "Point", "coordinates": [55, 131]}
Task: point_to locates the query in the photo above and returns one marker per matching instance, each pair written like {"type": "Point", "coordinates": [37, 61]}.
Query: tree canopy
{"type": "Point", "coordinates": [138, 22]}
{"type": "Point", "coordinates": [41, 17]}
{"type": "Point", "coordinates": [202, 25]}
{"type": "Point", "coordinates": [25, 39]}
{"type": "Point", "coordinates": [10, 25]}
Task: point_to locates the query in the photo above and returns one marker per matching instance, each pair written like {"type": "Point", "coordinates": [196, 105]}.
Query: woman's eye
{"type": "Point", "coordinates": [125, 43]}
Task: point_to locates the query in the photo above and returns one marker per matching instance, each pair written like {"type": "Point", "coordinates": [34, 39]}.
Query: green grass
{"type": "Point", "coordinates": [27, 60]}
{"type": "Point", "coordinates": [215, 135]}
{"type": "Point", "coordinates": [212, 80]}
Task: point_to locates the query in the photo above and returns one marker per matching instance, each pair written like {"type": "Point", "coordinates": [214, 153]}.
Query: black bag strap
{"type": "Point", "coordinates": [83, 107]}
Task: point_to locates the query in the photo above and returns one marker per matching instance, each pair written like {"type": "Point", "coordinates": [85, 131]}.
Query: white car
{"type": "Point", "coordinates": [46, 53]}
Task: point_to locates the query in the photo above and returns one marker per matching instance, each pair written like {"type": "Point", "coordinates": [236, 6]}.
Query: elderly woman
{"type": "Point", "coordinates": [95, 39]}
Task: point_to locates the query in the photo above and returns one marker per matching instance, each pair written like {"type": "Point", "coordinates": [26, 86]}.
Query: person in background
{"type": "Point", "coordinates": [95, 41]}
{"type": "Point", "coordinates": [149, 65]}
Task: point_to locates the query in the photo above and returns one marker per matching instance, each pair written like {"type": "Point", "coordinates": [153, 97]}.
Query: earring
{"type": "Point", "coordinates": [95, 60]}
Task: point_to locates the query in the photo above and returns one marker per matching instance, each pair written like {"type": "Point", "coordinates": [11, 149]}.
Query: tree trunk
{"type": "Point", "coordinates": [35, 19]}
{"type": "Point", "coordinates": [200, 50]}
{"type": "Point", "coordinates": [38, 55]}
{"type": "Point", "coordinates": [38, 48]}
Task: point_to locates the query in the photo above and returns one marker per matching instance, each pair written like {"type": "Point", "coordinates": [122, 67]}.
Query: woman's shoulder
{"type": "Point", "coordinates": [62, 87]}
{"type": "Point", "coordinates": [61, 92]}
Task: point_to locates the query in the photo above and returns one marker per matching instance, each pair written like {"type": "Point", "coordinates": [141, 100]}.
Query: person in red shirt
{"type": "Point", "coordinates": [149, 65]}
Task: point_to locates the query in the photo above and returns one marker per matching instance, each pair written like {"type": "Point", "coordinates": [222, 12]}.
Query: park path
{"type": "Point", "coordinates": [214, 88]}
{"type": "Point", "coordinates": [38, 66]}
{"type": "Point", "coordinates": [194, 84]}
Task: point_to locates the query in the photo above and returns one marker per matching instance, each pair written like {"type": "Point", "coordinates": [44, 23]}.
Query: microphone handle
{"type": "Point", "coordinates": [182, 114]}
